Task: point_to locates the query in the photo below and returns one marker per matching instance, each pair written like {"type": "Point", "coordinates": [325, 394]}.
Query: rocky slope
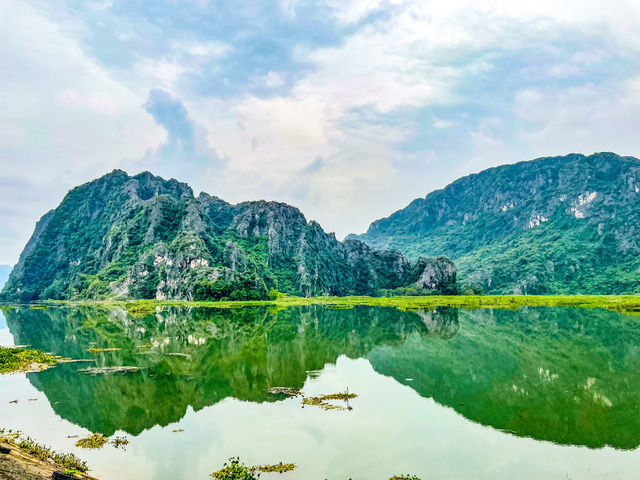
{"type": "Point", "coordinates": [146, 237]}
{"type": "Point", "coordinates": [553, 225]}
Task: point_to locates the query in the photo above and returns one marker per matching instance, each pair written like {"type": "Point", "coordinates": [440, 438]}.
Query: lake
{"type": "Point", "coordinates": [535, 393]}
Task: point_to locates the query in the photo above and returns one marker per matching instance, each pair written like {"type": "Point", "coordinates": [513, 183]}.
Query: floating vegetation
{"type": "Point", "coordinates": [97, 440]}
{"type": "Point", "coordinates": [120, 442]}
{"type": "Point", "coordinates": [178, 430]}
{"type": "Point", "coordinates": [100, 350]}
{"type": "Point", "coordinates": [322, 401]}
{"type": "Point", "coordinates": [178, 354]}
{"type": "Point", "coordinates": [16, 359]}
{"type": "Point", "coordinates": [109, 370]}
{"type": "Point", "coordinates": [39, 307]}
{"type": "Point", "coordinates": [146, 345]}
{"type": "Point", "coordinates": [404, 477]}
{"type": "Point", "coordinates": [290, 391]}
{"type": "Point", "coordinates": [42, 452]}
{"type": "Point", "coordinates": [140, 309]}
{"type": "Point", "coordinates": [234, 470]}
{"type": "Point", "coordinates": [277, 468]}
{"type": "Point", "coordinates": [621, 303]}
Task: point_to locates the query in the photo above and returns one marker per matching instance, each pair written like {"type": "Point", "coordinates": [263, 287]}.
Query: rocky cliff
{"type": "Point", "coordinates": [146, 237]}
{"type": "Point", "coordinates": [553, 225]}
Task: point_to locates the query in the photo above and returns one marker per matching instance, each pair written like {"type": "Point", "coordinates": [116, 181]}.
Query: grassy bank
{"type": "Point", "coordinates": [35, 460]}
{"type": "Point", "coordinates": [17, 359]}
{"type": "Point", "coordinates": [622, 303]}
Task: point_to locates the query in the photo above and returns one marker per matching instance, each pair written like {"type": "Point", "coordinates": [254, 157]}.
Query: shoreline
{"type": "Point", "coordinates": [621, 303]}
{"type": "Point", "coordinates": [20, 465]}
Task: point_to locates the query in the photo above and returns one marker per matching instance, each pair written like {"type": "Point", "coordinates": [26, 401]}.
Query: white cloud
{"type": "Point", "coordinates": [270, 80]}
{"type": "Point", "coordinates": [440, 123]}
{"type": "Point", "coordinates": [66, 118]}
{"type": "Point", "coordinates": [420, 55]}
{"type": "Point", "coordinates": [352, 11]}
{"type": "Point", "coordinates": [63, 120]}
{"type": "Point", "coordinates": [581, 119]}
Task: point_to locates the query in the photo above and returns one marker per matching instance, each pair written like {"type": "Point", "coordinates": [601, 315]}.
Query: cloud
{"type": "Point", "coordinates": [440, 123]}
{"type": "Point", "coordinates": [65, 119]}
{"type": "Point", "coordinates": [585, 118]}
{"type": "Point", "coordinates": [314, 166]}
{"type": "Point", "coordinates": [391, 99]}
{"type": "Point", "coordinates": [185, 154]}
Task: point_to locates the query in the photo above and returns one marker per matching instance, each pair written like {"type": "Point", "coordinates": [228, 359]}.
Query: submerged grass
{"type": "Point", "coordinates": [17, 359]}
{"type": "Point", "coordinates": [42, 452]}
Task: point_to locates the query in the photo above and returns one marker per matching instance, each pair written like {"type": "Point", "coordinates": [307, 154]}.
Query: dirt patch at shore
{"type": "Point", "coordinates": [17, 465]}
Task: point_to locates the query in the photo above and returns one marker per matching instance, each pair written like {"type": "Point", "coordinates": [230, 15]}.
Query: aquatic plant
{"type": "Point", "coordinates": [42, 452]}
{"type": "Point", "coordinates": [96, 440]}
{"type": "Point", "coordinates": [290, 391]}
{"type": "Point", "coordinates": [621, 303]}
{"type": "Point", "coordinates": [277, 468]}
{"type": "Point", "coordinates": [234, 470]}
{"type": "Point", "coordinates": [404, 477]}
{"type": "Point", "coordinates": [100, 350]}
{"type": "Point", "coordinates": [109, 370]}
{"type": "Point", "coordinates": [16, 359]}
{"type": "Point", "coordinates": [120, 442]}
{"type": "Point", "coordinates": [322, 401]}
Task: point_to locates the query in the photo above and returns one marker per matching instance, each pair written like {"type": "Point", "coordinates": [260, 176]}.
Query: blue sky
{"type": "Point", "coordinates": [346, 109]}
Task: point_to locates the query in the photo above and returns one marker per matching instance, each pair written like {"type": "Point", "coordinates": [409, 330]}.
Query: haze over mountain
{"type": "Point", "coordinates": [146, 237]}
{"type": "Point", "coordinates": [567, 224]}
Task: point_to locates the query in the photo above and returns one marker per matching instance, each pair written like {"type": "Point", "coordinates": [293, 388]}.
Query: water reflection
{"type": "Point", "coordinates": [565, 375]}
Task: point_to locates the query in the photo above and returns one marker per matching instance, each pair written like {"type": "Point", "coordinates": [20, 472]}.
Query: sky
{"type": "Point", "coordinates": [347, 109]}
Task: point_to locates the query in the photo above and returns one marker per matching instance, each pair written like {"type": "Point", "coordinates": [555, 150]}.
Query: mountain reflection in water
{"type": "Point", "coordinates": [565, 375]}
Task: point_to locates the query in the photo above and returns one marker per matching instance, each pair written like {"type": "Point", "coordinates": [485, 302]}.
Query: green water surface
{"type": "Point", "coordinates": [533, 393]}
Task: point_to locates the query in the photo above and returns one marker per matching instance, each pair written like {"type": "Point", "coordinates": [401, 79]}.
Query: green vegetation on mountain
{"type": "Point", "coordinates": [145, 237]}
{"type": "Point", "coordinates": [558, 225]}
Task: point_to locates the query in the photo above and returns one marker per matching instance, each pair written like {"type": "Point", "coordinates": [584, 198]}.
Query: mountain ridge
{"type": "Point", "coordinates": [143, 236]}
{"type": "Point", "coordinates": [568, 224]}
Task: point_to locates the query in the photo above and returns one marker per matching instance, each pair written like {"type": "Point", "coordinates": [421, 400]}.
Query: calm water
{"type": "Point", "coordinates": [537, 393]}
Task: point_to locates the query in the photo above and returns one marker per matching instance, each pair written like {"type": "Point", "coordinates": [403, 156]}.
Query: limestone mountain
{"type": "Point", "coordinates": [146, 237]}
{"type": "Point", "coordinates": [566, 224]}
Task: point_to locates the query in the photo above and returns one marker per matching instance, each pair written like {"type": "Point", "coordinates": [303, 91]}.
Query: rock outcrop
{"type": "Point", "coordinates": [146, 237]}
{"type": "Point", "coordinates": [561, 225]}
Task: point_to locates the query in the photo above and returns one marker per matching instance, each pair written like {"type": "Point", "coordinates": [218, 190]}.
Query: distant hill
{"type": "Point", "coordinates": [5, 270]}
{"type": "Point", "coordinates": [146, 237]}
{"type": "Point", "coordinates": [566, 224]}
